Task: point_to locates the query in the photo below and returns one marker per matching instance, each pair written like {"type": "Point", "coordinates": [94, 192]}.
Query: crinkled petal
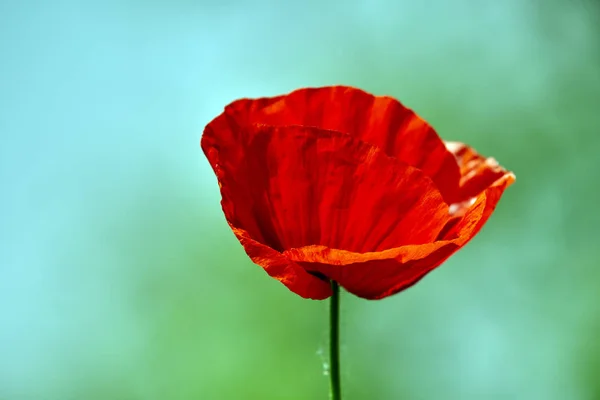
{"type": "Point", "coordinates": [380, 120]}
{"type": "Point", "coordinates": [376, 275]}
{"type": "Point", "coordinates": [278, 266]}
{"type": "Point", "coordinates": [476, 172]}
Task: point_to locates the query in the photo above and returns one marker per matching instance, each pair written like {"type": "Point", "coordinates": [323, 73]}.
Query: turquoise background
{"type": "Point", "coordinates": [119, 278]}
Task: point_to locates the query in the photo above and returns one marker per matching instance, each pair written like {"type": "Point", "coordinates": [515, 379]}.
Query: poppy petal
{"type": "Point", "coordinates": [278, 266]}
{"type": "Point", "coordinates": [376, 275]}
{"type": "Point", "coordinates": [479, 212]}
{"type": "Point", "coordinates": [476, 172]}
{"type": "Point", "coordinates": [380, 120]}
{"type": "Point", "coordinates": [373, 275]}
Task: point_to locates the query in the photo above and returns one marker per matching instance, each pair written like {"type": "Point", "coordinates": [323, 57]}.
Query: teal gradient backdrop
{"type": "Point", "coordinates": [120, 279]}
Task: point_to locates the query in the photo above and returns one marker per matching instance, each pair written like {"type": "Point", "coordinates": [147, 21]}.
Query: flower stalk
{"type": "Point", "coordinates": [334, 343]}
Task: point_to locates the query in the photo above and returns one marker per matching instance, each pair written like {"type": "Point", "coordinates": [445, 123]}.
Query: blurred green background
{"type": "Point", "coordinates": [119, 278]}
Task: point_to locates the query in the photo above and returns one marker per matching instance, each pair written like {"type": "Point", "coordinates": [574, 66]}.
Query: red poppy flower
{"type": "Point", "coordinates": [334, 183]}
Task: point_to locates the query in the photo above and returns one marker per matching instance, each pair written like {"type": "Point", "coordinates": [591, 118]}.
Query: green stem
{"type": "Point", "coordinates": [334, 343]}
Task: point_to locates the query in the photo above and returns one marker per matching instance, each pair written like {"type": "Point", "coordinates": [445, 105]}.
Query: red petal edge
{"type": "Point", "coordinates": [476, 172]}
{"type": "Point", "coordinates": [280, 267]}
